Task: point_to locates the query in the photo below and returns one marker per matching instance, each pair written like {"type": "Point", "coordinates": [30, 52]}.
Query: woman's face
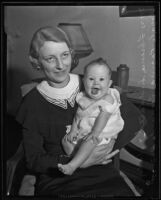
{"type": "Point", "coordinates": [55, 61]}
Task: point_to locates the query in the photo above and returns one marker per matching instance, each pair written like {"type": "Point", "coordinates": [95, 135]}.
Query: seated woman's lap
{"type": "Point", "coordinates": [102, 180]}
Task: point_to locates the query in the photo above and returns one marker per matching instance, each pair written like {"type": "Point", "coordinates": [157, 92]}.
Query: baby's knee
{"type": "Point", "coordinates": [63, 140]}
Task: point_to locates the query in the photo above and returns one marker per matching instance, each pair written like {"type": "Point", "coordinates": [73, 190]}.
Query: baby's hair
{"type": "Point", "coordinates": [98, 61]}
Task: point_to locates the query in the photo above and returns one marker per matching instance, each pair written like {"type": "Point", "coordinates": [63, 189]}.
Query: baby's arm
{"type": "Point", "coordinates": [73, 132]}
{"type": "Point", "coordinates": [67, 140]}
{"type": "Point", "coordinates": [101, 121]}
{"type": "Point", "coordinates": [99, 125]}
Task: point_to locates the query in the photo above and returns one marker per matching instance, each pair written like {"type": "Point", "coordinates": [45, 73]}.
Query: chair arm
{"type": "Point", "coordinates": [12, 164]}
{"type": "Point", "coordinates": [139, 153]}
{"type": "Point", "coordinates": [116, 161]}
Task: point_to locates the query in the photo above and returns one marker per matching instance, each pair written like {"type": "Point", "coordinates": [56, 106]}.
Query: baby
{"type": "Point", "coordinates": [98, 115]}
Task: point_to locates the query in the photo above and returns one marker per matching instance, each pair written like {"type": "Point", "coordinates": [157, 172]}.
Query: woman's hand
{"type": "Point", "coordinates": [101, 155]}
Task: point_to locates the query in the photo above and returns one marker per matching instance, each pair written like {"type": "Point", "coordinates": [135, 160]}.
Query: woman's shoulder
{"type": "Point", "coordinates": [34, 106]}
{"type": "Point", "coordinates": [29, 106]}
{"type": "Point", "coordinates": [32, 100]}
{"type": "Point", "coordinates": [32, 95]}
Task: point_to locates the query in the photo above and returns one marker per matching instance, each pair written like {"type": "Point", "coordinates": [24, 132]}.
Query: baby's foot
{"type": "Point", "coordinates": [66, 169]}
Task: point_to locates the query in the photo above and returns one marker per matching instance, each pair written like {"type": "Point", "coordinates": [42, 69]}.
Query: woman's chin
{"type": "Point", "coordinates": [59, 83]}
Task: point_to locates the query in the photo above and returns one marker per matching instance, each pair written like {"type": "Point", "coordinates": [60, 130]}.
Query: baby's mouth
{"type": "Point", "coordinates": [94, 91]}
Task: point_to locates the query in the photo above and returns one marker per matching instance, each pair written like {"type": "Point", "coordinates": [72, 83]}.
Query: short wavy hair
{"type": "Point", "coordinates": [44, 34]}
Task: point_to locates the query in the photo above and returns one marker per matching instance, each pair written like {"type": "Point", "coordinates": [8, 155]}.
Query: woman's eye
{"type": "Point", "coordinates": [51, 59]}
{"type": "Point", "coordinates": [65, 55]}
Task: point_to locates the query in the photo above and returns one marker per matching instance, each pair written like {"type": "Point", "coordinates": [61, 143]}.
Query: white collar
{"type": "Point", "coordinates": [60, 96]}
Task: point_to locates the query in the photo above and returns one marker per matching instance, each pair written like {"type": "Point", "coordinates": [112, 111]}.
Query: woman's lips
{"type": "Point", "coordinates": [60, 73]}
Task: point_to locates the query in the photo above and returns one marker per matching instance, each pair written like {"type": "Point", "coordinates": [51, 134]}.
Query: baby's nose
{"type": "Point", "coordinates": [96, 82]}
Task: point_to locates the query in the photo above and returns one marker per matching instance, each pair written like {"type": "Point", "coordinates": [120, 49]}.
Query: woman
{"type": "Point", "coordinates": [46, 114]}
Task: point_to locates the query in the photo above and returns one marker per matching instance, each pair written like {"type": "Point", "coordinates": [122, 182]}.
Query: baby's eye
{"type": "Point", "coordinates": [102, 79]}
{"type": "Point", "coordinates": [91, 79]}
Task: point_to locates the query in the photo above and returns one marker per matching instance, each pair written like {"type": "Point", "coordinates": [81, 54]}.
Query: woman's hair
{"type": "Point", "coordinates": [98, 61]}
{"type": "Point", "coordinates": [43, 34]}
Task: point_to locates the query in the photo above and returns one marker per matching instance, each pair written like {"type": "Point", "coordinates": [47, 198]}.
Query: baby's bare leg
{"type": "Point", "coordinates": [66, 169]}
{"type": "Point", "coordinates": [82, 154]}
{"type": "Point", "coordinates": [68, 147]}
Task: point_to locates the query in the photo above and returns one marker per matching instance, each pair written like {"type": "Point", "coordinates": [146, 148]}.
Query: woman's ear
{"type": "Point", "coordinates": [110, 83]}
{"type": "Point", "coordinates": [75, 59]}
{"type": "Point", "coordinates": [34, 62]}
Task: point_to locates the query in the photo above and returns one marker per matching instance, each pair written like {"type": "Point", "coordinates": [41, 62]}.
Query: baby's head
{"type": "Point", "coordinates": [97, 78]}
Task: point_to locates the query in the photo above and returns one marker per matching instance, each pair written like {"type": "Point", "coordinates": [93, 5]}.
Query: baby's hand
{"type": "Point", "coordinates": [71, 137]}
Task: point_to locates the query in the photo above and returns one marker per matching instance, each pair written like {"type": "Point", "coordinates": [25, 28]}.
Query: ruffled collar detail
{"type": "Point", "coordinates": [60, 96]}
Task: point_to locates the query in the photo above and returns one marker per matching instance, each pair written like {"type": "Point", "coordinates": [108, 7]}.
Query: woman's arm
{"type": "Point", "coordinates": [132, 118]}
{"type": "Point", "coordinates": [38, 160]}
{"type": "Point", "coordinates": [101, 155]}
{"type": "Point", "coordinates": [33, 128]}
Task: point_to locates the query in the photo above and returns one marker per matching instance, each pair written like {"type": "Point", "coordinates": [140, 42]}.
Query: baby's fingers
{"type": "Point", "coordinates": [69, 138]}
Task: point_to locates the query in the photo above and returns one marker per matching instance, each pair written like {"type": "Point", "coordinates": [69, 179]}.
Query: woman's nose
{"type": "Point", "coordinates": [59, 64]}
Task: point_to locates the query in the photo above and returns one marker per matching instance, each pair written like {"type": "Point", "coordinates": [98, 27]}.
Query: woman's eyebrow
{"type": "Point", "coordinates": [47, 56]}
{"type": "Point", "coordinates": [53, 55]}
{"type": "Point", "coordinates": [65, 51]}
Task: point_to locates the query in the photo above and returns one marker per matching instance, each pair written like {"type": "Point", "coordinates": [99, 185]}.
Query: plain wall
{"type": "Point", "coordinates": [114, 38]}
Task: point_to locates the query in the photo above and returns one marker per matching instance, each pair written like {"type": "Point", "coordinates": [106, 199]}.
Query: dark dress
{"type": "Point", "coordinates": [44, 125]}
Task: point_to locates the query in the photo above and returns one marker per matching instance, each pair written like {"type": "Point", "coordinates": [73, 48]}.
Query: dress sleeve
{"type": "Point", "coordinates": [107, 107]}
{"type": "Point", "coordinates": [82, 100]}
{"type": "Point", "coordinates": [79, 96]}
{"type": "Point", "coordinates": [38, 160]}
{"type": "Point", "coordinates": [112, 108]}
{"type": "Point", "coordinates": [132, 118]}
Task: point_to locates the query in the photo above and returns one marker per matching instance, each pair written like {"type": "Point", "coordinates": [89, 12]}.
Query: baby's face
{"type": "Point", "coordinates": [97, 81]}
